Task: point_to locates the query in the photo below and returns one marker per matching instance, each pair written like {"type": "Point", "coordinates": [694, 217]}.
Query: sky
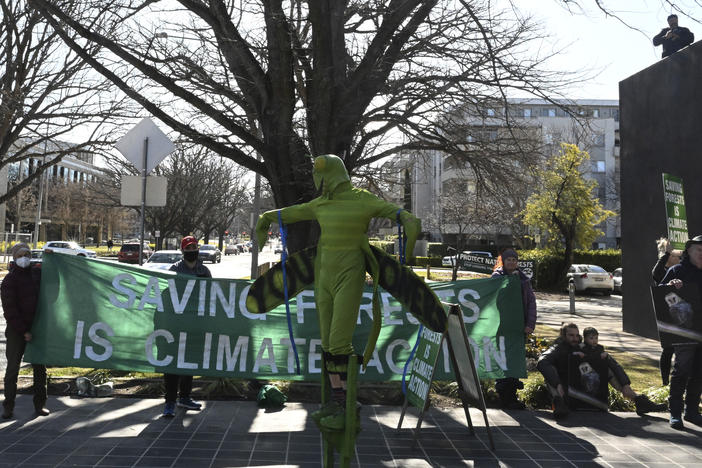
{"type": "Point", "coordinates": [603, 44]}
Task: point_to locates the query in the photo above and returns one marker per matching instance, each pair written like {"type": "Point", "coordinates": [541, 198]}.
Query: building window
{"type": "Point", "coordinates": [552, 112]}
{"type": "Point", "coordinates": [527, 113]}
{"type": "Point", "coordinates": [596, 113]}
{"type": "Point", "coordinates": [491, 112]}
{"type": "Point", "coordinates": [598, 166]}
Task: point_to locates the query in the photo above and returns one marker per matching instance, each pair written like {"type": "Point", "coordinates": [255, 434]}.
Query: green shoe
{"type": "Point", "coordinates": [327, 409]}
{"type": "Point", "coordinates": [335, 421]}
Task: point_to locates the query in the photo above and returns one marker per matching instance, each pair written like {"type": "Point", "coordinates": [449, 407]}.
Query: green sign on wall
{"type": "Point", "coordinates": [676, 217]}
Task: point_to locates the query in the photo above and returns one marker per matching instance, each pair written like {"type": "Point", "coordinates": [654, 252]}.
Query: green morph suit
{"type": "Point", "coordinates": [343, 253]}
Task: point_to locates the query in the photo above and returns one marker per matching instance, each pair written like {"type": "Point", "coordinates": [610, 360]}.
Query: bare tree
{"type": "Point", "coordinates": [46, 93]}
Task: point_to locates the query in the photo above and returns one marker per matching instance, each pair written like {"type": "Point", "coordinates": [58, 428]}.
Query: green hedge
{"type": "Point", "coordinates": [437, 249]}
{"type": "Point", "coordinates": [549, 265]}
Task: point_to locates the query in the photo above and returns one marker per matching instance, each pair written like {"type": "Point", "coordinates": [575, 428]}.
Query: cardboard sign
{"type": "Point", "coordinates": [678, 314]}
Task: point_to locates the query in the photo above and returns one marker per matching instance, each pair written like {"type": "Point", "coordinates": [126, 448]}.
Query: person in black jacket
{"type": "Point", "coordinates": [20, 295]}
{"type": "Point", "coordinates": [687, 372]}
{"type": "Point", "coordinates": [674, 37]}
{"type": "Point", "coordinates": [553, 365]}
{"type": "Point", "coordinates": [667, 257]}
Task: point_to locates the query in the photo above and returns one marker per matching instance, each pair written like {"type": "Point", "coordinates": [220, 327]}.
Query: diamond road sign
{"type": "Point", "coordinates": [131, 145]}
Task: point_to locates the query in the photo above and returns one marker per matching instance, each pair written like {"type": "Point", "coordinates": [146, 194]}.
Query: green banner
{"type": "Point", "coordinates": [99, 314]}
{"type": "Point", "coordinates": [676, 217]}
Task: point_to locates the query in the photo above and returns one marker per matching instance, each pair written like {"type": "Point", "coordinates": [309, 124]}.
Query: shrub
{"type": "Point", "coordinates": [386, 246]}
{"type": "Point", "coordinates": [549, 264]}
{"type": "Point", "coordinates": [437, 249]}
{"type": "Point", "coordinates": [535, 394]}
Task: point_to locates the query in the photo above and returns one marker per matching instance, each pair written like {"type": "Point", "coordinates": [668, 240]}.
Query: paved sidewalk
{"type": "Point", "coordinates": [131, 432]}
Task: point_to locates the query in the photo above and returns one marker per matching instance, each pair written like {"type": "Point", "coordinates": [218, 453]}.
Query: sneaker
{"type": "Point", "coordinates": [188, 403]}
{"type": "Point", "coordinates": [169, 409]}
{"type": "Point", "coordinates": [560, 409]}
{"type": "Point", "coordinates": [676, 422]}
{"type": "Point", "coordinates": [41, 411]}
{"type": "Point", "coordinates": [644, 405]}
{"type": "Point", "coordinates": [694, 418]}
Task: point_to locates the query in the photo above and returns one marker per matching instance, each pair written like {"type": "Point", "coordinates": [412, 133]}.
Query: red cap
{"type": "Point", "coordinates": [187, 240]}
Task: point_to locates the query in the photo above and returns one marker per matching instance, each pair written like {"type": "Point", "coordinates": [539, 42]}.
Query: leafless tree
{"type": "Point", "coordinates": [46, 93]}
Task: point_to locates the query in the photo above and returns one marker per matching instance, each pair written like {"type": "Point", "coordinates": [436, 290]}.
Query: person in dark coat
{"type": "Point", "coordinates": [553, 365]}
{"type": "Point", "coordinates": [667, 257]}
{"type": "Point", "coordinates": [507, 387]}
{"type": "Point", "coordinates": [674, 37]}
{"type": "Point", "coordinates": [686, 378]}
{"type": "Point", "coordinates": [20, 295]}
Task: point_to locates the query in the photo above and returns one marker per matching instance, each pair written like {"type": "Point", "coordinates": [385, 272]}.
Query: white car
{"type": "Point", "coordinates": [163, 259]}
{"type": "Point", "coordinates": [69, 247]}
{"type": "Point", "coordinates": [450, 260]}
{"type": "Point", "coordinates": [591, 278]}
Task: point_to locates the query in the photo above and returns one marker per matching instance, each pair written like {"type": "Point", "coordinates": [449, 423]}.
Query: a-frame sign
{"type": "Point", "coordinates": [424, 363]}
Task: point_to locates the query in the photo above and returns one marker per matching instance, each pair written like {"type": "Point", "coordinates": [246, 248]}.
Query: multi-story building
{"type": "Point", "coordinates": [538, 125]}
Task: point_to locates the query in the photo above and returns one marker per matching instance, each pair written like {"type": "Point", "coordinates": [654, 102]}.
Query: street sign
{"type": "Point", "coordinates": [131, 145]}
{"type": "Point", "coordinates": [676, 217]}
{"type": "Point", "coordinates": [155, 191]}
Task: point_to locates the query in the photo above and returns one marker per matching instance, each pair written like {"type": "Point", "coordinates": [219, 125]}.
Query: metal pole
{"type": "Point", "coordinates": [37, 219]}
{"type": "Point", "coordinates": [571, 293]}
{"type": "Point", "coordinates": [143, 199]}
{"type": "Point", "coordinates": [254, 241]}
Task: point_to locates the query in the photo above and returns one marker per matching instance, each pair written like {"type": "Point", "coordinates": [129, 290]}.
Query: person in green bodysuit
{"type": "Point", "coordinates": [343, 255]}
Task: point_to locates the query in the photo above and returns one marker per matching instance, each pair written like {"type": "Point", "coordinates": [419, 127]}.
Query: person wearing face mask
{"type": "Point", "coordinates": [178, 387]}
{"type": "Point", "coordinates": [20, 295]}
{"type": "Point", "coordinates": [507, 388]}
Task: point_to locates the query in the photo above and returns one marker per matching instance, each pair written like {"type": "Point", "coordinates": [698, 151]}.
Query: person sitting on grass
{"type": "Point", "coordinates": [590, 345]}
{"type": "Point", "coordinates": [553, 365]}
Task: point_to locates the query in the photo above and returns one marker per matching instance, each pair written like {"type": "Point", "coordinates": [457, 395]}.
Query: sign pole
{"type": "Point", "coordinates": [143, 199]}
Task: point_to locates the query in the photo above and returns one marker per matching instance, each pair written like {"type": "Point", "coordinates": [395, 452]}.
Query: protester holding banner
{"type": "Point", "coordinates": [667, 257]}
{"type": "Point", "coordinates": [507, 387]}
{"type": "Point", "coordinates": [553, 365]}
{"type": "Point", "coordinates": [181, 385]}
{"type": "Point", "coordinates": [687, 371]}
{"type": "Point", "coordinates": [20, 294]}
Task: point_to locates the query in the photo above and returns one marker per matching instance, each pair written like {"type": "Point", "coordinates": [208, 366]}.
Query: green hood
{"type": "Point", "coordinates": [329, 173]}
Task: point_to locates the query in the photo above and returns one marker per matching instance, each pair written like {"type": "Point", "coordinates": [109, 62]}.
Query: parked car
{"type": "Point", "coordinates": [163, 259]}
{"type": "Point", "coordinates": [450, 260]}
{"type": "Point", "coordinates": [69, 247]}
{"type": "Point", "coordinates": [591, 278]}
{"type": "Point", "coordinates": [210, 253]}
{"type": "Point", "coordinates": [231, 249]}
{"type": "Point", "coordinates": [129, 253]}
{"type": "Point", "coordinates": [617, 277]}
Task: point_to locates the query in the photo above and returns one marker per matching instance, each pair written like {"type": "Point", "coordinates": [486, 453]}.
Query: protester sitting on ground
{"type": "Point", "coordinates": [20, 296]}
{"type": "Point", "coordinates": [590, 346]}
{"type": "Point", "coordinates": [687, 371]}
{"type": "Point", "coordinates": [667, 257]}
{"type": "Point", "coordinates": [553, 365]}
{"type": "Point", "coordinates": [181, 385]}
{"type": "Point", "coordinates": [508, 386]}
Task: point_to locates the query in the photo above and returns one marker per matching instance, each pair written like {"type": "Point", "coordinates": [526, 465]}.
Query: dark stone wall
{"type": "Point", "coordinates": [660, 131]}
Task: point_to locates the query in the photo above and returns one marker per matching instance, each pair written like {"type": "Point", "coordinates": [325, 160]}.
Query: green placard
{"type": "Point", "coordinates": [676, 217]}
{"type": "Point", "coordinates": [423, 366]}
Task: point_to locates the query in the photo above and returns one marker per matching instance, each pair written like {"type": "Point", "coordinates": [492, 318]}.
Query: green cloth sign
{"type": "Point", "coordinates": [423, 367]}
{"type": "Point", "coordinates": [676, 216]}
{"type": "Point", "coordinates": [99, 314]}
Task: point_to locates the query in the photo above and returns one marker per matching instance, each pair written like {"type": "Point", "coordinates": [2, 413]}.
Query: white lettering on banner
{"type": "Point", "coordinates": [302, 305]}
{"type": "Point", "coordinates": [227, 304]}
{"type": "Point", "coordinates": [78, 343]}
{"type": "Point", "coordinates": [207, 351]}
{"type": "Point", "coordinates": [389, 309]}
{"type": "Point", "coordinates": [224, 351]}
{"type": "Point", "coordinates": [490, 353]}
{"type": "Point", "coordinates": [201, 298]}
{"type": "Point", "coordinates": [445, 294]}
{"type": "Point", "coordinates": [314, 357]}
{"type": "Point", "coordinates": [117, 284]}
{"type": "Point", "coordinates": [100, 341]}
{"type": "Point", "coordinates": [678, 236]}
{"type": "Point", "coordinates": [390, 353]}
{"type": "Point", "coordinates": [182, 345]}
{"type": "Point", "coordinates": [149, 347]}
{"type": "Point", "coordinates": [367, 307]}
{"type": "Point", "coordinates": [152, 295]}
{"type": "Point", "coordinates": [179, 304]}
{"type": "Point", "coordinates": [375, 362]}
{"type": "Point", "coordinates": [291, 351]}
{"type": "Point", "coordinates": [677, 223]}
{"type": "Point", "coordinates": [469, 304]}
{"type": "Point", "coordinates": [419, 387]}
{"type": "Point", "coordinates": [242, 306]}
{"type": "Point", "coordinates": [266, 346]}
{"type": "Point", "coordinates": [673, 186]}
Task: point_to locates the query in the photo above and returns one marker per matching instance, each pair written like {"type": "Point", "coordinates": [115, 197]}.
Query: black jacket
{"type": "Point", "coordinates": [670, 46]}
{"type": "Point", "coordinates": [659, 269]}
{"type": "Point", "coordinates": [20, 296]}
{"type": "Point", "coordinates": [684, 271]}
